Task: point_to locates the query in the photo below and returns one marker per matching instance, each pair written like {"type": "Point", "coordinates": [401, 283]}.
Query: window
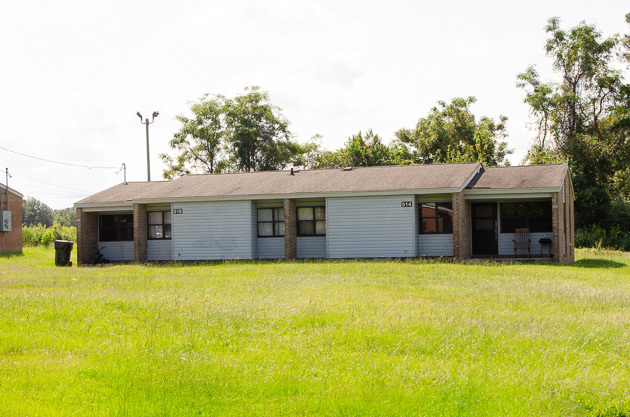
{"type": "Point", "coordinates": [115, 228]}
{"type": "Point", "coordinates": [534, 215]}
{"type": "Point", "coordinates": [311, 221]}
{"type": "Point", "coordinates": [159, 224]}
{"type": "Point", "coordinates": [436, 218]}
{"type": "Point", "coordinates": [270, 222]}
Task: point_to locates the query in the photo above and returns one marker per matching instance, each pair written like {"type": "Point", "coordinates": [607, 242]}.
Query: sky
{"type": "Point", "coordinates": [73, 74]}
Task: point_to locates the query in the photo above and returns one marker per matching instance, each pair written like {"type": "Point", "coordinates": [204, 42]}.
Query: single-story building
{"type": "Point", "coordinates": [10, 220]}
{"type": "Point", "coordinates": [459, 210]}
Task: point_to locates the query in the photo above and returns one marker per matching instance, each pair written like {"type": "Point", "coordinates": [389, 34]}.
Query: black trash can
{"type": "Point", "coordinates": [63, 249]}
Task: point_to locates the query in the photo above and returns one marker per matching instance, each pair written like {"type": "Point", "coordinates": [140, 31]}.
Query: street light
{"type": "Point", "coordinates": [147, 123]}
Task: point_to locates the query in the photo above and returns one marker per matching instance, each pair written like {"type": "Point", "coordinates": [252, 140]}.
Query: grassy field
{"type": "Point", "coordinates": [365, 338]}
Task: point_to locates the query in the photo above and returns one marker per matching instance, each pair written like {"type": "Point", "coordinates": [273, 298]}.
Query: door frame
{"type": "Point", "coordinates": [494, 248]}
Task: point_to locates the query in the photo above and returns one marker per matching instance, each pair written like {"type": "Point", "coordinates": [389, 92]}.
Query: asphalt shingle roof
{"type": "Point", "coordinates": [324, 181]}
{"type": "Point", "coordinates": [361, 179]}
{"type": "Point", "coordinates": [530, 176]}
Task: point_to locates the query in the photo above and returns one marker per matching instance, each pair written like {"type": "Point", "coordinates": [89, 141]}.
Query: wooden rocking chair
{"type": "Point", "coordinates": [521, 241]}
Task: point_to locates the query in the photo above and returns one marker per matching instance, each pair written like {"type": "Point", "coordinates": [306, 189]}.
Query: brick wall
{"type": "Point", "coordinates": [290, 229]}
{"type": "Point", "coordinates": [571, 219]}
{"type": "Point", "coordinates": [12, 241]}
{"type": "Point", "coordinates": [563, 224]}
{"type": "Point", "coordinates": [140, 233]}
{"type": "Point", "coordinates": [87, 237]}
{"type": "Point", "coordinates": [461, 227]}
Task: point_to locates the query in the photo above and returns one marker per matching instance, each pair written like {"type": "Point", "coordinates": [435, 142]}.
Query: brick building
{"type": "Point", "coordinates": [458, 210]}
{"type": "Point", "coordinates": [11, 220]}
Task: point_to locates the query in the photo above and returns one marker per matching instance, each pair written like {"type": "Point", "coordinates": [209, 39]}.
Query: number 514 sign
{"type": "Point", "coordinates": [406, 204]}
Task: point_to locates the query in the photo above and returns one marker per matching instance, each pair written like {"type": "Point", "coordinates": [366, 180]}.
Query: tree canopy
{"type": "Point", "coordinates": [35, 212]}
{"type": "Point", "coordinates": [245, 133]}
{"type": "Point", "coordinates": [359, 150]}
{"type": "Point", "coordinates": [583, 116]}
{"type": "Point", "coordinates": [451, 133]}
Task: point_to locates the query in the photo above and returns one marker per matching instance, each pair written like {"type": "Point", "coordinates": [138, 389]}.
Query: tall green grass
{"type": "Point", "coordinates": [325, 337]}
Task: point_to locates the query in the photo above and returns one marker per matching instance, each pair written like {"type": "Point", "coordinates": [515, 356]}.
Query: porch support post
{"type": "Point", "coordinates": [290, 229]}
{"type": "Point", "coordinates": [461, 227]}
{"type": "Point", "coordinates": [140, 250]}
{"type": "Point", "coordinates": [87, 237]}
{"type": "Point", "coordinates": [557, 226]}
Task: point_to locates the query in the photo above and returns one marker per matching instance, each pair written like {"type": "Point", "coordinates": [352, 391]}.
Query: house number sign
{"type": "Point", "coordinates": [178, 211]}
{"type": "Point", "coordinates": [406, 204]}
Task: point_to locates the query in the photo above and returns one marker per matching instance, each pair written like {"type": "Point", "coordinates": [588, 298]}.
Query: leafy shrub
{"type": "Point", "coordinates": [48, 238]}
{"type": "Point", "coordinates": [40, 235]}
{"type": "Point", "coordinates": [598, 237]}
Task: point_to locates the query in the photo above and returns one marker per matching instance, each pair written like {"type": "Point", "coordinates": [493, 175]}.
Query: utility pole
{"type": "Point", "coordinates": [147, 123]}
{"type": "Point", "coordinates": [7, 190]}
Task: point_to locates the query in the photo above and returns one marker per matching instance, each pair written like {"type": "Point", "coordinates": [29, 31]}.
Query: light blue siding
{"type": "Point", "coordinates": [160, 250]}
{"type": "Point", "coordinates": [117, 251]}
{"type": "Point", "coordinates": [270, 247]}
{"type": "Point", "coordinates": [360, 227]}
{"type": "Point", "coordinates": [435, 245]}
{"type": "Point", "coordinates": [506, 244]}
{"type": "Point", "coordinates": [213, 230]}
{"type": "Point", "coordinates": [254, 230]}
{"type": "Point", "coordinates": [311, 247]}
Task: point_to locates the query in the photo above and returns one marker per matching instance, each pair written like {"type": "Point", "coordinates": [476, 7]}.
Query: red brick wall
{"type": "Point", "coordinates": [461, 227]}
{"type": "Point", "coordinates": [12, 241]}
{"type": "Point", "coordinates": [140, 233]}
{"type": "Point", "coordinates": [87, 237]}
{"type": "Point", "coordinates": [563, 224]}
{"type": "Point", "coordinates": [290, 229]}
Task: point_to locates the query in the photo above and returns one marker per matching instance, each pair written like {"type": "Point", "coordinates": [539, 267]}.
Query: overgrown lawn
{"type": "Point", "coordinates": [324, 337]}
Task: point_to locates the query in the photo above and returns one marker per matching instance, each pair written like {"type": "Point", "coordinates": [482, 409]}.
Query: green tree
{"type": "Point", "coordinates": [199, 142]}
{"type": "Point", "coordinates": [582, 118]}
{"type": "Point", "coordinates": [245, 133]}
{"type": "Point", "coordinates": [65, 217]}
{"type": "Point", "coordinates": [359, 150]}
{"type": "Point", "coordinates": [35, 212]}
{"type": "Point", "coordinates": [257, 138]}
{"type": "Point", "coordinates": [451, 133]}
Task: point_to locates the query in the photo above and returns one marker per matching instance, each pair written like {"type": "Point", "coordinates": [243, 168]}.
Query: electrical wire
{"type": "Point", "coordinates": [55, 185]}
{"type": "Point", "coordinates": [57, 162]}
{"type": "Point", "coordinates": [68, 130]}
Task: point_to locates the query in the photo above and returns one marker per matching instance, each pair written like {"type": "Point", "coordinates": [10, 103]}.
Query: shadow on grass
{"type": "Point", "coordinates": [11, 254]}
{"type": "Point", "coordinates": [597, 263]}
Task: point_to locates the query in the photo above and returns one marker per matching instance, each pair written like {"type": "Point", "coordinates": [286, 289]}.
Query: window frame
{"type": "Point", "coordinates": [313, 221]}
{"type": "Point", "coordinates": [436, 217]}
{"type": "Point", "coordinates": [164, 225]}
{"type": "Point", "coordinates": [117, 228]}
{"type": "Point", "coordinates": [273, 222]}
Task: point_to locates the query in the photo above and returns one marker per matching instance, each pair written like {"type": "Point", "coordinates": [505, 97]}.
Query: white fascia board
{"type": "Point", "coordinates": [475, 172]}
{"type": "Point", "coordinates": [12, 191]}
{"type": "Point", "coordinates": [305, 195]}
{"type": "Point", "coordinates": [102, 207]}
{"type": "Point", "coordinates": [509, 193]}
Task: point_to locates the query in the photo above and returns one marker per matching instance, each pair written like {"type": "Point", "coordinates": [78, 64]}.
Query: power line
{"type": "Point", "coordinates": [55, 185]}
{"type": "Point", "coordinates": [67, 130]}
{"type": "Point", "coordinates": [57, 162]}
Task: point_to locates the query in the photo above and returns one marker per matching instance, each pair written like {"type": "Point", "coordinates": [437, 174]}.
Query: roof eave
{"type": "Point", "coordinates": [12, 191]}
{"type": "Point", "coordinates": [272, 197]}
